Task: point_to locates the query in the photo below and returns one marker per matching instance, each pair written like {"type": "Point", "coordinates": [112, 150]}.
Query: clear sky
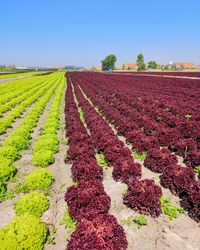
{"type": "Point", "coordinates": [83, 32]}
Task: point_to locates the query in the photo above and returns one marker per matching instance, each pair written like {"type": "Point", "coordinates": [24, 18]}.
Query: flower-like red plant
{"type": "Point", "coordinates": [144, 196]}
{"type": "Point", "coordinates": [158, 160]}
{"type": "Point", "coordinates": [87, 196]}
{"type": "Point", "coordinates": [98, 232]}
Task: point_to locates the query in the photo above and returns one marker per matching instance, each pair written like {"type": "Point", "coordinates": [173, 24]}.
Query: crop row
{"type": "Point", "coordinates": [181, 181]}
{"type": "Point", "coordinates": [12, 89]}
{"type": "Point", "coordinates": [27, 230]}
{"type": "Point", "coordinates": [119, 156]}
{"type": "Point", "coordinates": [185, 74]}
{"type": "Point", "coordinates": [179, 134]}
{"type": "Point", "coordinates": [87, 201]}
{"type": "Point", "coordinates": [6, 121]}
{"type": "Point", "coordinates": [21, 94]}
{"type": "Point", "coordinates": [47, 144]}
{"type": "Point", "coordinates": [20, 137]}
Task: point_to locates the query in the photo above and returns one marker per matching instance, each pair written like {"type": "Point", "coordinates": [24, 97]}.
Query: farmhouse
{"type": "Point", "coordinates": [184, 65]}
{"type": "Point", "coordinates": [129, 66]}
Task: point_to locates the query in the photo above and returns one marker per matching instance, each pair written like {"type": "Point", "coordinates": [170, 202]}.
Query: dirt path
{"type": "Point", "coordinates": [13, 79]}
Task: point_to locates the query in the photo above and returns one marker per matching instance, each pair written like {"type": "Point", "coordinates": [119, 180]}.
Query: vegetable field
{"type": "Point", "coordinates": [100, 161]}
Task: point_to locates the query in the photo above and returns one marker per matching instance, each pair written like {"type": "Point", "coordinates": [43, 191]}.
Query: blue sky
{"type": "Point", "coordinates": [63, 32]}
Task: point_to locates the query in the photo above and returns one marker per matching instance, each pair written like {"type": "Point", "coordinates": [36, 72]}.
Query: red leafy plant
{"type": "Point", "coordinates": [191, 201]}
{"type": "Point", "coordinates": [177, 179]}
{"type": "Point", "coordinates": [158, 160]}
{"type": "Point", "coordinates": [86, 169]}
{"type": "Point", "coordinates": [98, 232]}
{"type": "Point", "coordinates": [87, 196]}
{"type": "Point", "coordinates": [126, 170]}
{"type": "Point", "coordinates": [144, 196]}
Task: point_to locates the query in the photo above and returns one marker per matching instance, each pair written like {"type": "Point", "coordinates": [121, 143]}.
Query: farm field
{"type": "Point", "coordinates": [100, 161]}
{"type": "Point", "coordinates": [174, 74]}
{"type": "Point", "coordinates": [17, 75]}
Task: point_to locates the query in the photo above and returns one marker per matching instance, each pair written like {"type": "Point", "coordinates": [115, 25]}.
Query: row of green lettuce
{"type": "Point", "coordinates": [20, 137]}
{"type": "Point", "coordinates": [15, 113]}
{"type": "Point", "coordinates": [27, 230]}
{"type": "Point", "coordinates": [8, 89]}
{"type": "Point", "coordinates": [20, 94]}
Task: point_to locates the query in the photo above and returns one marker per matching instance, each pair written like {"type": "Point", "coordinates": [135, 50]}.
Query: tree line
{"type": "Point", "coordinates": [108, 63]}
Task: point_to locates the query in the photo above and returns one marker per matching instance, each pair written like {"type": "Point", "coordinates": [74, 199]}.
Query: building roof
{"type": "Point", "coordinates": [185, 65]}
{"type": "Point", "coordinates": [130, 65]}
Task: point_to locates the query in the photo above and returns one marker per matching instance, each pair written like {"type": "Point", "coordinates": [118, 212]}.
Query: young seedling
{"type": "Point", "coordinates": [101, 160]}
{"type": "Point", "coordinates": [169, 209]}
{"type": "Point", "coordinates": [141, 220]}
{"type": "Point", "coordinates": [127, 222]}
{"type": "Point", "coordinates": [68, 222]}
{"type": "Point", "coordinates": [137, 156]}
{"type": "Point", "coordinates": [197, 170]}
{"type": "Point", "coordinates": [188, 116]}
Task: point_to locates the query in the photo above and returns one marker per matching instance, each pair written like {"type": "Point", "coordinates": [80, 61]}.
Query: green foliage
{"type": "Point", "coordinates": [68, 222]}
{"type": "Point", "coordinates": [63, 142]}
{"type": "Point", "coordinates": [17, 141]}
{"type": "Point", "coordinates": [81, 115]}
{"type": "Point", "coordinates": [140, 62]}
{"type": "Point", "coordinates": [197, 170]}
{"type": "Point", "coordinates": [43, 158]}
{"type": "Point", "coordinates": [34, 203]}
{"type": "Point", "coordinates": [54, 138]}
{"type": "Point", "coordinates": [101, 160]}
{"type": "Point", "coordinates": [188, 116]}
{"type": "Point", "coordinates": [2, 190]}
{"type": "Point", "coordinates": [39, 179]}
{"type": "Point", "coordinates": [5, 195]}
{"type": "Point", "coordinates": [24, 232]}
{"type": "Point", "coordinates": [127, 222]}
{"type": "Point", "coordinates": [46, 144]}
{"type": "Point", "coordinates": [7, 171]}
{"type": "Point", "coordinates": [9, 152]}
{"type": "Point", "coordinates": [109, 62]}
{"type": "Point", "coordinates": [152, 65]}
{"type": "Point", "coordinates": [51, 124]}
{"type": "Point", "coordinates": [169, 209]}
{"type": "Point", "coordinates": [137, 156]}
{"type": "Point", "coordinates": [141, 220]}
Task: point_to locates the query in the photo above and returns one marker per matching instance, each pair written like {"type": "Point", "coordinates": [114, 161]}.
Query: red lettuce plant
{"type": "Point", "coordinates": [126, 170]}
{"type": "Point", "coordinates": [191, 201]}
{"type": "Point", "coordinates": [100, 232]}
{"type": "Point", "coordinates": [86, 169]}
{"type": "Point", "coordinates": [158, 160]}
{"type": "Point", "coordinates": [144, 196]}
{"type": "Point", "coordinates": [193, 158]}
{"type": "Point", "coordinates": [177, 179]}
{"type": "Point", "coordinates": [87, 196]}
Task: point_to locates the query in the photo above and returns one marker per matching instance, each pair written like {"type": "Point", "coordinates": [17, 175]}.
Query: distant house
{"type": "Point", "coordinates": [184, 65]}
{"type": "Point", "coordinates": [129, 66]}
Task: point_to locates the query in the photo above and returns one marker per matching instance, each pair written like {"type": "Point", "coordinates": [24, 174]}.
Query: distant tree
{"type": "Point", "coordinates": [152, 65]}
{"type": "Point", "coordinates": [109, 62]}
{"type": "Point", "coordinates": [140, 62]}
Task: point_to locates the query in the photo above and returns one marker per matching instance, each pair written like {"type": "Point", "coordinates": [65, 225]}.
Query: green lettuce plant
{"type": "Point", "coordinates": [34, 203]}
{"type": "Point", "coordinates": [24, 232]}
